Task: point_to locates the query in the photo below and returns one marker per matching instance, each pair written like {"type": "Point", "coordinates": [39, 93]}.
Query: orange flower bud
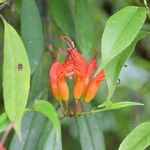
{"type": "Point", "coordinates": [91, 67]}
{"type": "Point", "coordinates": [63, 89]}
{"type": "Point", "coordinates": [80, 68]}
{"type": "Point", "coordinates": [79, 87]}
{"type": "Point", "coordinates": [94, 86]}
{"type": "Point", "coordinates": [62, 71]}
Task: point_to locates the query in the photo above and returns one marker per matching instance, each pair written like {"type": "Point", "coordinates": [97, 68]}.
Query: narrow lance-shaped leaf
{"type": "Point", "coordinates": [61, 14]}
{"type": "Point", "coordinates": [138, 139]}
{"type": "Point", "coordinates": [118, 105]}
{"type": "Point", "coordinates": [90, 135]}
{"type": "Point", "coordinates": [45, 137]}
{"type": "Point", "coordinates": [113, 68]}
{"type": "Point", "coordinates": [16, 76]}
{"type": "Point", "coordinates": [31, 29]}
{"type": "Point", "coordinates": [121, 29]}
{"type": "Point", "coordinates": [85, 28]}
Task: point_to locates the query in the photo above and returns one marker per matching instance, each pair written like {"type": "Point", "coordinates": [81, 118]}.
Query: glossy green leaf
{"type": "Point", "coordinates": [138, 139]}
{"type": "Point", "coordinates": [31, 29]}
{"type": "Point", "coordinates": [118, 105]}
{"type": "Point", "coordinates": [16, 76]}
{"type": "Point", "coordinates": [62, 15]}
{"type": "Point", "coordinates": [121, 29]}
{"type": "Point", "coordinates": [113, 68]}
{"type": "Point", "coordinates": [38, 132]}
{"type": "Point", "coordinates": [2, 1]}
{"type": "Point", "coordinates": [48, 110]}
{"type": "Point", "coordinates": [4, 121]}
{"type": "Point", "coordinates": [85, 28]}
{"type": "Point", "coordinates": [90, 134]}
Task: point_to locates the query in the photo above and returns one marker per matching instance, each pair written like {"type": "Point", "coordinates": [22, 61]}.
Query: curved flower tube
{"type": "Point", "coordinates": [53, 81]}
{"type": "Point", "coordinates": [93, 87]}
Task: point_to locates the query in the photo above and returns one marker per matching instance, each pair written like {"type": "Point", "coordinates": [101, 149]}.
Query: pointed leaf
{"type": "Point", "coordinates": [121, 105]}
{"type": "Point", "coordinates": [16, 76]}
{"type": "Point", "coordinates": [118, 105]}
{"type": "Point", "coordinates": [121, 29]}
{"type": "Point", "coordinates": [113, 68]}
{"type": "Point", "coordinates": [31, 29]}
{"type": "Point", "coordinates": [138, 139]}
{"type": "Point", "coordinates": [90, 135]}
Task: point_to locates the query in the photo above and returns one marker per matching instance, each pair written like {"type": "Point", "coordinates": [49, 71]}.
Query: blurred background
{"type": "Point", "coordinates": [84, 22]}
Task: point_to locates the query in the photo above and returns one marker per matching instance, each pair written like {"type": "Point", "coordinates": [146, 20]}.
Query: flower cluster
{"type": "Point", "coordinates": [75, 64]}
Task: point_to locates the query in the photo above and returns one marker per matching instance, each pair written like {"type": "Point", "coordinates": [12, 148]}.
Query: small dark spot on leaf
{"type": "Point", "coordinates": [20, 67]}
{"type": "Point", "coordinates": [118, 81]}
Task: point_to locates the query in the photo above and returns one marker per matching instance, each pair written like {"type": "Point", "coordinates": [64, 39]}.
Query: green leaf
{"type": "Point", "coordinates": [138, 139]}
{"type": "Point", "coordinates": [32, 34]}
{"type": "Point", "coordinates": [62, 16]}
{"type": "Point", "coordinates": [49, 139]}
{"type": "Point", "coordinates": [16, 76]}
{"type": "Point", "coordinates": [118, 105]}
{"type": "Point", "coordinates": [40, 78]}
{"type": "Point", "coordinates": [112, 70]}
{"type": "Point", "coordinates": [85, 28]}
{"type": "Point", "coordinates": [121, 29]}
{"type": "Point", "coordinates": [48, 110]}
{"type": "Point", "coordinates": [37, 134]}
{"type": "Point", "coordinates": [109, 105]}
{"type": "Point", "coordinates": [2, 1]}
{"type": "Point", "coordinates": [4, 121]}
{"type": "Point", "coordinates": [90, 135]}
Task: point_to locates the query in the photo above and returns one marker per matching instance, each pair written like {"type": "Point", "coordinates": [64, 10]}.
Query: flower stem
{"type": "Point", "coordinates": [93, 111]}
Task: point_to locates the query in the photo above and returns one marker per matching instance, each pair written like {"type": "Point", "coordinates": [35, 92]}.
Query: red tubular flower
{"type": "Point", "coordinates": [91, 67]}
{"type": "Point", "coordinates": [76, 64]}
{"type": "Point", "coordinates": [79, 67]}
{"type": "Point", "coordinates": [61, 81]}
{"type": "Point", "coordinates": [58, 83]}
{"type": "Point", "coordinates": [93, 86]}
{"type": "Point", "coordinates": [53, 81]}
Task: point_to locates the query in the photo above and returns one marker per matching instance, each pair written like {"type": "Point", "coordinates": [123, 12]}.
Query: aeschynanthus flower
{"type": "Point", "coordinates": [94, 86]}
{"type": "Point", "coordinates": [79, 67]}
{"type": "Point", "coordinates": [58, 83]}
{"type": "Point", "coordinates": [53, 81]}
{"type": "Point", "coordinates": [76, 64]}
{"type": "Point", "coordinates": [61, 81]}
